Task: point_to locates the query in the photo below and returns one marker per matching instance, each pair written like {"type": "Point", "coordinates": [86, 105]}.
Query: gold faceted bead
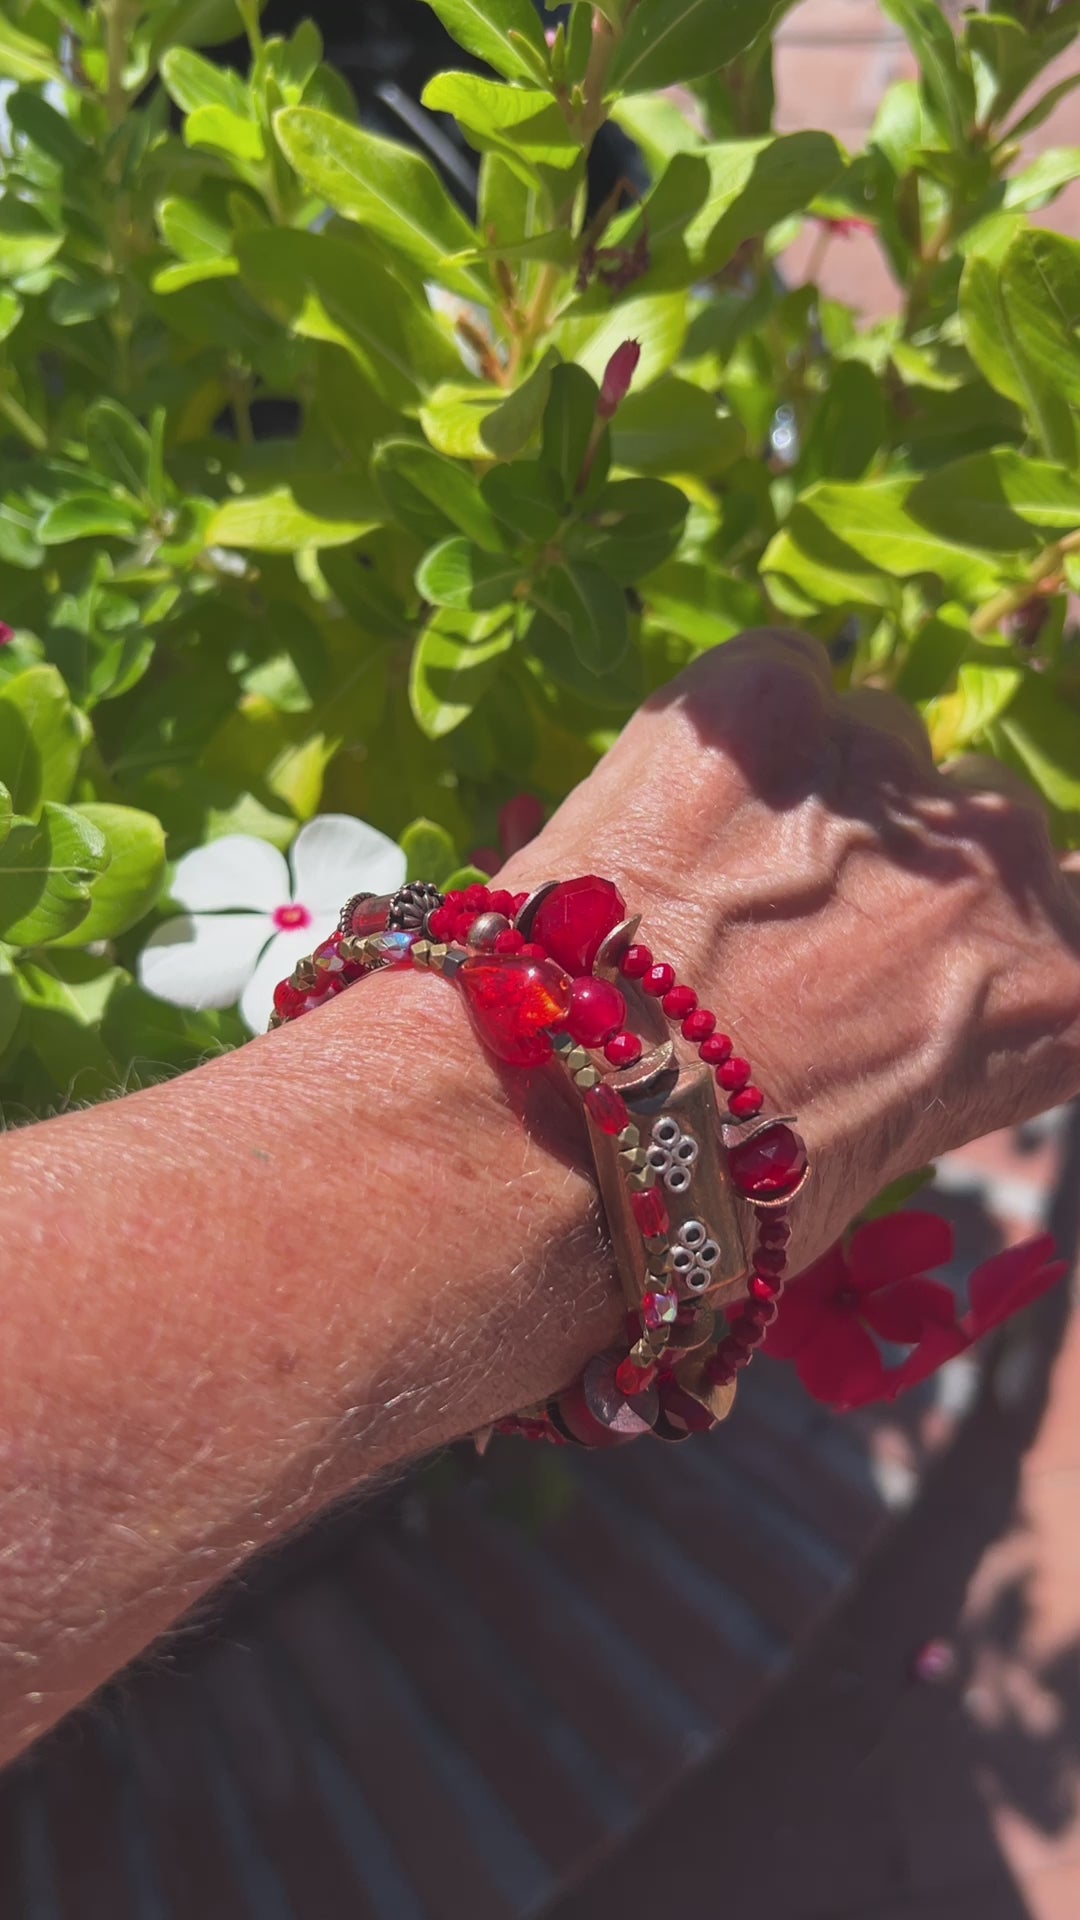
{"type": "Point", "coordinates": [586, 1077]}
{"type": "Point", "coordinates": [641, 1354]}
{"type": "Point", "coordinates": [577, 1058]}
{"type": "Point", "coordinates": [629, 1137]}
{"type": "Point", "coordinates": [421, 953]}
{"type": "Point", "coordinates": [634, 1157]}
{"type": "Point", "coordinates": [642, 1179]}
{"type": "Point", "coordinates": [305, 976]}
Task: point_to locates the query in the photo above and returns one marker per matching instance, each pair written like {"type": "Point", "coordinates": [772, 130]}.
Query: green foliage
{"type": "Point", "coordinates": [460, 573]}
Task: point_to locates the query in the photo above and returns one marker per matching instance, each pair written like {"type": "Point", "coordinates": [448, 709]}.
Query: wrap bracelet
{"type": "Point", "coordinates": [696, 1197]}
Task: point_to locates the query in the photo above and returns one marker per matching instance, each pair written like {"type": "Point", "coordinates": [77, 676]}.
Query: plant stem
{"type": "Point", "coordinates": [24, 424]}
{"type": "Point", "coordinates": [115, 15]}
{"type": "Point", "coordinates": [1011, 599]}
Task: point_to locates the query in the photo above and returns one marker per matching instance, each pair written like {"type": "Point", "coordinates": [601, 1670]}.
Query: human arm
{"type": "Point", "coordinates": [231, 1299]}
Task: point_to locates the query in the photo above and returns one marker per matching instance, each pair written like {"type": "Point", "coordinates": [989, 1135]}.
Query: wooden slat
{"type": "Point", "coordinates": [169, 1746]}
{"type": "Point", "coordinates": [86, 1824]}
{"type": "Point", "coordinates": [392, 1770]}
{"type": "Point", "coordinates": [402, 1603]}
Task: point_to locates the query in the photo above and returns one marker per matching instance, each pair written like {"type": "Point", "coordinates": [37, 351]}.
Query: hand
{"type": "Point", "coordinates": [895, 950]}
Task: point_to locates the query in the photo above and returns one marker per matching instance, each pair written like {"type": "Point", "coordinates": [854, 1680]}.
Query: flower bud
{"type": "Point", "coordinates": [618, 374]}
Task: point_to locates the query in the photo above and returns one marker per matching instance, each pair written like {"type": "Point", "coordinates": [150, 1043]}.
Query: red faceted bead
{"type": "Point", "coordinates": [770, 1259]}
{"type": "Point", "coordinates": [659, 1309]}
{"type": "Point", "coordinates": [455, 898]}
{"type": "Point", "coordinates": [532, 950]}
{"type": "Point", "coordinates": [773, 1230]}
{"type": "Point", "coordinates": [511, 1001]}
{"type": "Point", "coordinates": [477, 898]}
{"type": "Point", "coordinates": [509, 942]}
{"type": "Point", "coordinates": [659, 980]}
{"type": "Point", "coordinates": [771, 1164]}
{"type": "Point", "coordinates": [746, 1103]}
{"type": "Point", "coordinates": [623, 1049]}
{"type": "Point", "coordinates": [575, 917]}
{"type": "Point", "coordinates": [718, 1372]}
{"type": "Point", "coordinates": [287, 1001]}
{"type": "Point", "coordinates": [744, 1332]}
{"type": "Point", "coordinates": [632, 1379]}
{"type": "Point", "coordinates": [499, 901]}
{"type": "Point", "coordinates": [764, 1286]}
{"type": "Point", "coordinates": [635, 962]}
{"type": "Point", "coordinates": [597, 1010]}
{"type": "Point", "coordinates": [650, 1211]}
{"type": "Point", "coordinates": [371, 916]}
{"type": "Point", "coordinates": [608, 1109]}
{"type": "Point", "coordinates": [699, 1024]}
{"type": "Point", "coordinates": [679, 1002]}
{"type": "Point", "coordinates": [715, 1049]}
{"type": "Point", "coordinates": [733, 1074]}
{"type": "Point", "coordinates": [762, 1313]}
{"type": "Point", "coordinates": [519, 901]}
{"type": "Point", "coordinates": [441, 923]}
{"type": "Point", "coordinates": [463, 925]}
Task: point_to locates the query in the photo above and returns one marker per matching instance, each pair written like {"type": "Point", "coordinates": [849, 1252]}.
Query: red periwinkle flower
{"type": "Point", "coordinates": [520, 820]}
{"type": "Point", "coordinates": [834, 1314]}
{"type": "Point", "coordinates": [618, 374]}
{"type": "Point", "coordinates": [7, 634]}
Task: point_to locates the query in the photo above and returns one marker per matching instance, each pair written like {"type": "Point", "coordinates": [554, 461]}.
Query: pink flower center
{"type": "Point", "coordinates": [287, 919]}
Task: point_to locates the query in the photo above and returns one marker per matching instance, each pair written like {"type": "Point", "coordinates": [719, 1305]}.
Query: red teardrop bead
{"type": "Point", "coordinates": [770, 1165]}
{"type": "Point", "coordinates": [597, 1010]}
{"type": "Point", "coordinates": [650, 1211]}
{"type": "Point", "coordinates": [511, 1001]}
{"type": "Point", "coordinates": [575, 917]}
{"type": "Point", "coordinates": [608, 1109]}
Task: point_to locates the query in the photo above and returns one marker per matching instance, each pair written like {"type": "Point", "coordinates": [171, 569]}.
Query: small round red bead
{"type": "Point", "coordinates": [519, 901]}
{"type": "Point", "coordinates": [773, 1230]}
{"type": "Point", "coordinates": [596, 1012]}
{"type": "Point", "coordinates": [762, 1313]}
{"type": "Point", "coordinates": [698, 1024]}
{"type": "Point", "coordinates": [770, 1259]}
{"type": "Point", "coordinates": [463, 925]}
{"type": "Point", "coordinates": [511, 941]}
{"type": "Point", "coordinates": [765, 1286]}
{"type": "Point", "coordinates": [477, 898]}
{"type": "Point", "coordinates": [746, 1103]}
{"type": "Point", "coordinates": [531, 951]}
{"type": "Point", "coordinates": [442, 922]}
{"type": "Point", "coordinates": [635, 962]}
{"type": "Point", "coordinates": [455, 898]}
{"type": "Point", "coordinates": [679, 1002]}
{"type": "Point", "coordinates": [715, 1050]}
{"type": "Point", "coordinates": [499, 901]}
{"type": "Point", "coordinates": [733, 1074]}
{"type": "Point", "coordinates": [659, 979]}
{"type": "Point", "coordinates": [745, 1332]}
{"type": "Point", "coordinates": [623, 1049]}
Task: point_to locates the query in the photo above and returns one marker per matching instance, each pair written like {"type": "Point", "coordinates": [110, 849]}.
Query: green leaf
{"type": "Point", "coordinates": [1001, 501]}
{"type": "Point", "coordinates": [46, 871]}
{"type": "Point", "coordinates": [1043, 107]}
{"type": "Point", "coordinates": [502, 32]}
{"type": "Point", "coordinates": [341, 291]}
{"type": "Point", "coordinates": [855, 542]}
{"type": "Point", "coordinates": [132, 881]}
{"type": "Point", "coordinates": [64, 996]}
{"type": "Point", "coordinates": [23, 58]}
{"type": "Point", "coordinates": [1043, 729]}
{"type": "Point", "coordinates": [6, 812]}
{"type": "Point", "coordinates": [956, 721]}
{"type": "Point", "coordinates": [569, 419]}
{"type": "Point", "coordinates": [193, 231]}
{"type": "Point", "coordinates": [150, 1039]}
{"type": "Point", "coordinates": [459, 574]}
{"type": "Point", "coordinates": [84, 516]}
{"type": "Point", "coordinates": [454, 661]}
{"type": "Point", "coordinates": [46, 129]}
{"type": "Point", "coordinates": [430, 494]}
{"type": "Point", "coordinates": [1020, 323]}
{"type": "Point", "coordinates": [1040, 183]}
{"type": "Point", "coordinates": [553, 658]}
{"type": "Point", "coordinates": [592, 327]}
{"type": "Point", "coordinates": [935, 654]}
{"type": "Point", "coordinates": [10, 1001]}
{"type": "Point", "coordinates": [526, 497]}
{"type": "Point", "coordinates": [119, 446]}
{"type": "Point", "coordinates": [41, 739]}
{"type": "Point", "coordinates": [11, 312]}
{"type": "Point", "coordinates": [848, 427]}
{"type": "Point", "coordinates": [590, 608]}
{"type": "Point", "coordinates": [28, 241]}
{"type": "Point", "coordinates": [754, 184]}
{"type": "Point", "coordinates": [192, 82]}
{"type": "Point", "coordinates": [456, 419]}
{"type": "Point", "coordinates": [279, 522]}
{"type": "Point", "coordinates": [228, 132]}
{"type": "Point", "coordinates": [429, 851]}
{"type": "Point", "coordinates": [702, 604]}
{"type": "Point", "coordinates": [388, 188]}
{"type": "Point", "coordinates": [947, 85]}
{"type": "Point", "coordinates": [666, 42]}
{"type": "Point", "coordinates": [519, 120]}
{"type": "Point", "coordinates": [633, 528]}
{"type": "Point", "coordinates": [674, 427]}
{"type": "Point", "coordinates": [509, 428]}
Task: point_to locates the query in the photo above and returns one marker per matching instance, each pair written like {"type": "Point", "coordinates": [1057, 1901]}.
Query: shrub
{"type": "Point", "coordinates": [310, 501]}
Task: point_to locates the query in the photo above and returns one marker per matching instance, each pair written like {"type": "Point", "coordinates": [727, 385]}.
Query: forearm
{"type": "Point", "coordinates": [229, 1299]}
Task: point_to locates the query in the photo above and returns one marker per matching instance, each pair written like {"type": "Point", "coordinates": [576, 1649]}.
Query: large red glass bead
{"type": "Point", "coordinates": [597, 1010]}
{"type": "Point", "coordinates": [511, 1000]}
{"type": "Point", "coordinates": [575, 917]}
{"type": "Point", "coordinates": [608, 1109]}
{"type": "Point", "coordinates": [770, 1165]}
{"type": "Point", "coordinates": [650, 1212]}
{"type": "Point", "coordinates": [371, 916]}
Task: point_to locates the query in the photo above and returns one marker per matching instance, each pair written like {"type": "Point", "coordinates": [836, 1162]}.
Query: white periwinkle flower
{"type": "Point", "coordinates": [249, 920]}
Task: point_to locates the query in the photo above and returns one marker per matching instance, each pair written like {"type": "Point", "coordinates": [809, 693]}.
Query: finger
{"type": "Point", "coordinates": [874, 707]}
{"type": "Point", "coordinates": [786, 643]}
{"type": "Point", "coordinates": [980, 773]}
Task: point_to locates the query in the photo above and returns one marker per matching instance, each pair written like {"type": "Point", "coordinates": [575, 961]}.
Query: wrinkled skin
{"type": "Point", "coordinates": [895, 950]}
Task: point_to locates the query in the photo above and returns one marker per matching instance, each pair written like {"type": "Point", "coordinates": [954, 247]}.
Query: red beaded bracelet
{"type": "Point", "coordinates": [559, 975]}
